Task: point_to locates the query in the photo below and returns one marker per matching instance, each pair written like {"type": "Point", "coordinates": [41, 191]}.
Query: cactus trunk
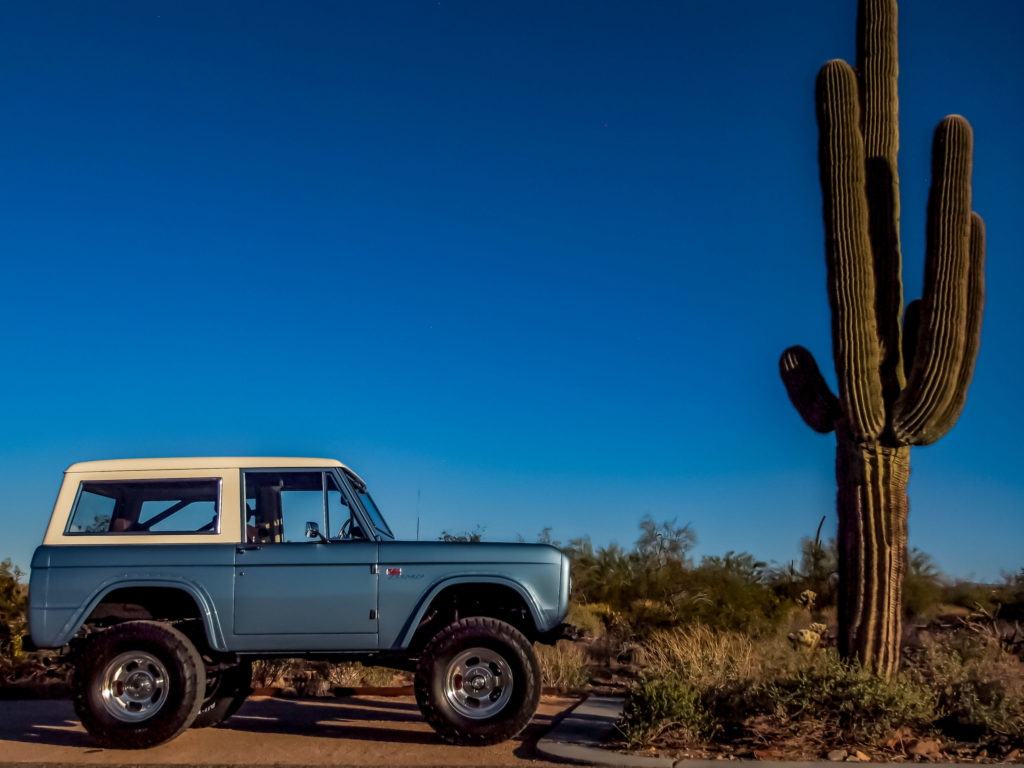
{"type": "Point", "coordinates": [872, 505]}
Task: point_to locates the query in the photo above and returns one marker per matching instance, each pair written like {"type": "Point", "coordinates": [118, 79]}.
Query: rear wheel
{"type": "Point", "coordinates": [478, 682]}
{"type": "Point", "coordinates": [226, 691]}
{"type": "Point", "coordinates": [137, 684]}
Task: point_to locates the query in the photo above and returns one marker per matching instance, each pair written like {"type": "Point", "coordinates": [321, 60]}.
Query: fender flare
{"type": "Point", "coordinates": [199, 595]}
{"type": "Point", "coordinates": [409, 629]}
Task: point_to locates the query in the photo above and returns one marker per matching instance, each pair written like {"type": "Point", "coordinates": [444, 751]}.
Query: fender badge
{"type": "Point", "coordinates": [393, 571]}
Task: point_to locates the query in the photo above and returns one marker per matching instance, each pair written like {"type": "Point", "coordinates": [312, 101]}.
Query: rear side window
{"type": "Point", "coordinates": [146, 506]}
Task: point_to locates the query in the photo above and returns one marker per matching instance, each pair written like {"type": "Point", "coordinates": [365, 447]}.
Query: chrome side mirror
{"type": "Point", "coordinates": [313, 532]}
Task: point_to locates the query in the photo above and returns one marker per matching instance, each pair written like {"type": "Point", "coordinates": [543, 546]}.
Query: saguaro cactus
{"type": "Point", "coordinates": [899, 384]}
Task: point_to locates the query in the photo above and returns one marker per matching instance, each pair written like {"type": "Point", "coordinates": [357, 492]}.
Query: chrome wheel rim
{"type": "Point", "coordinates": [478, 683]}
{"type": "Point", "coordinates": [134, 686]}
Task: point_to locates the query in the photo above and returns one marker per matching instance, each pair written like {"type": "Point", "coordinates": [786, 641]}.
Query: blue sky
{"type": "Point", "coordinates": [519, 264]}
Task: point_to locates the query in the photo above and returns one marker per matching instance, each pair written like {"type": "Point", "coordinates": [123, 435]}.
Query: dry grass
{"type": "Point", "coordinates": [563, 666]}
{"type": "Point", "coordinates": [713, 659]}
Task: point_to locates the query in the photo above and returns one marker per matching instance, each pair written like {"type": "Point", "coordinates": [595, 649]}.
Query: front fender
{"type": "Point", "coordinates": [409, 629]}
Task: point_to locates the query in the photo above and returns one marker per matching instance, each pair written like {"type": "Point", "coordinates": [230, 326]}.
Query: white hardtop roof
{"type": "Point", "coordinates": [204, 462]}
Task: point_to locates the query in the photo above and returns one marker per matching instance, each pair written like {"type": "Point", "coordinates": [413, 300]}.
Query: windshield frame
{"type": "Point", "coordinates": [369, 507]}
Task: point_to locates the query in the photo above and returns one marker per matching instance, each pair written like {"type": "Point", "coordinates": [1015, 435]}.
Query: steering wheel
{"type": "Point", "coordinates": [346, 529]}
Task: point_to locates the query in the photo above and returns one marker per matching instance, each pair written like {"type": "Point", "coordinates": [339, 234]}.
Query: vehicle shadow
{"type": "Point", "coordinates": [534, 732]}
{"type": "Point", "coordinates": [53, 722]}
{"type": "Point", "coordinates": [49, 722]}
{"type": "Point", "coordinates": [342, 718]}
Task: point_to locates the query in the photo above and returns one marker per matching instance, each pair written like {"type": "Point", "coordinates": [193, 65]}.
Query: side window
{"type": "Point", "coordinates": [343, 524]}
{"type": "Point", "coordinates": [146, 506]}
{"type": "Point", "coordinates": [279, 504]}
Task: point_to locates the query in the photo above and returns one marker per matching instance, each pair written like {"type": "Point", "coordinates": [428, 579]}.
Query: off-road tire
{"type": "Point", "coordinates": [431, 672]}
{"type": "Point", "coordinates": [181, 694]}
{"type": "Point", "coordinates": [226, 691]}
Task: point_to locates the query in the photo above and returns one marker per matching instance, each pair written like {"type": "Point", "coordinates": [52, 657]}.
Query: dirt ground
{"type": "Point", "coordinates": [361, 730]}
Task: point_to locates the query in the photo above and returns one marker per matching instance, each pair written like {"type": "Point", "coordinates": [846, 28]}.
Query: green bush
{"type": "Point", "coordinates": [922, 587]}
{"type": "Point", "coordinates": [586, 620]}
{"type": "Point", "coordinates": [736, 596]}
{"type": "Point", "coordinates": [978, 684]}
{"type": "Point", "coordinates": [657, 703]}
{"type": "Point", "coordinates": [13, 622]}
{"type": "Point", "coordinates": [853, 705]}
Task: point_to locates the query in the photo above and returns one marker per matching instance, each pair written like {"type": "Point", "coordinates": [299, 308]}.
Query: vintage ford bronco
{"type": "Point", "coordinates": [163, 579]}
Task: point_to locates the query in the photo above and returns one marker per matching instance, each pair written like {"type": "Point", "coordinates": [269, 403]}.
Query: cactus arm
{"type": "Point", "coordinates": [972, 341]}
{"type": "Point", "coordinates": [848, 251]}
{"type": "Point", "coordinates": [921, 408]}
{"type": "Point", "coordinates": [877, 71]}
{"type": "Point", "coordinates": [808, 390]}
{"type": "Point", "coordinates": [911, 327]}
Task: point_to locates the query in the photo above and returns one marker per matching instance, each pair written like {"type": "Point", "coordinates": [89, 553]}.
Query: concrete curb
{"type": "Point", "coordinates": [579, 737]}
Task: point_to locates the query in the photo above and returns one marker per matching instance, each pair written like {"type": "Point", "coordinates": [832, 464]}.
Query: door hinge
{"type": "Point", "coordinates": [373, 568]}
{"type": "Point", "coordinates": [373, 614]}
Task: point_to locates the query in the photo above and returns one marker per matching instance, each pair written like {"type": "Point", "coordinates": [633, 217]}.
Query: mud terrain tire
{"type": "Point", "coordinates": [137, 684]}
{"type": "Point", "coordinates": [478, 682]}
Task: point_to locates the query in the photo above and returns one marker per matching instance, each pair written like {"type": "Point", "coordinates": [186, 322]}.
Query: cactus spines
{"type": "Point", "coordinates": [851, 280]}
{"type": "Point", "coordinates": [898, 386]}
{"type": "Point", "coordinates": [934, 376]}
{"type": "Point", "coordinates": [877, 70]}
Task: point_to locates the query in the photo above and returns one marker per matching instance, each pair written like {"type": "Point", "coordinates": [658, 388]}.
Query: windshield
{"type": "Point", "coordinates": [374, 513]}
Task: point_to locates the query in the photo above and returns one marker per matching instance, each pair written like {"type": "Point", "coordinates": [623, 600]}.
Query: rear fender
{"type": "Point", "coordinates": [203, 601]}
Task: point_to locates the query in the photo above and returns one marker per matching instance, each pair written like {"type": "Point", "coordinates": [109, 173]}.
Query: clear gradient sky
{"type": "Point", "coordinates": [520, 264]}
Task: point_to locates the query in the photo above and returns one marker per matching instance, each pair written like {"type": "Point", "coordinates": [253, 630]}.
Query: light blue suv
{"type": "Point", "coordinates": [164, 578]}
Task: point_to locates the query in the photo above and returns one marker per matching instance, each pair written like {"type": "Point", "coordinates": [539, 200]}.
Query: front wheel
{"type": "Point", "coordinates": [137, 684]}
{"type": "Point", "coordinates": [478, 682]}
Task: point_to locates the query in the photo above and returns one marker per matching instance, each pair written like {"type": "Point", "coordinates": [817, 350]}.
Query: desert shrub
{"type": "Point", "coordinates": [13, 622]}
{"type": "Point", "coordinates": [657, 703]}
{"type": "Point", "coordinates": [978, 684]}
{"type": "Point", "coordinates": [739, 679]}
{"type": "Point", "coordinates": [736, 596]}
{"type": "Point", "coordinates": [587, 619]}
{"type": "Point", "coordinates": [318, 678]}
{"type": "Point", "coordinates": [970, 595]}
{"type": "Point", "coordinates": [922, 587]}
{"type": "Point", "coordinates": [472, 537]}
{"type": "Point", "coordinates": [818, 572]}
{"type": "Point", "coordinates": [1010, 596]}
{"type": "Point", "coordinates": [655, 569]}
{"type": "Point", "coordinates": [563, 666]}
{"type": "Point", "coordinates": [853, 705]}
{"type": "Point", "coordinates": [268, 672]}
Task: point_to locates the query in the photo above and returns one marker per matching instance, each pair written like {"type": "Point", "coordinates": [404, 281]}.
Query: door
{"type": "Point", "coordinates": [299, 593]}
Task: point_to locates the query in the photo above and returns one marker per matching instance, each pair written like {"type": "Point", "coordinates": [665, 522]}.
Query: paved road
{"type": "Point", "coordinates": [362, 730]}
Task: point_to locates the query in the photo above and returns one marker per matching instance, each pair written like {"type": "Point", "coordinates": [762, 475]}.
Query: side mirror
{"type": "Point", "coordinates": [313, 532]}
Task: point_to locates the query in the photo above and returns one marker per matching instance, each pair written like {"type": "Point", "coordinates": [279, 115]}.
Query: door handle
{"type": "Point", "coordinates": [247, 548]}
